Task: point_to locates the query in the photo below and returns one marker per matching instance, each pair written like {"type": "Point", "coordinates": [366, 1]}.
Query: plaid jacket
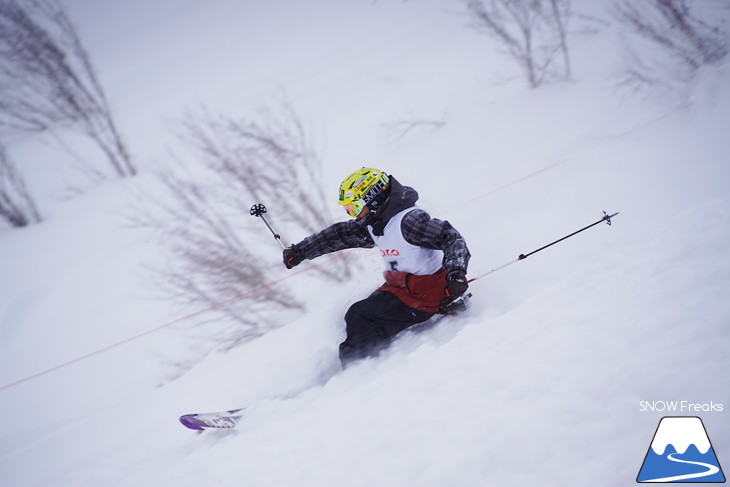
{"type": "Point", "coordinates": [417, 226]}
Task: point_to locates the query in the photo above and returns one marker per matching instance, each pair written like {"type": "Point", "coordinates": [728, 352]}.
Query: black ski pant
{"type": "Point", "coordinates": [373, 322]}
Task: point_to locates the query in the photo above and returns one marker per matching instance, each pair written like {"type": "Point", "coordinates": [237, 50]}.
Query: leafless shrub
{"type": "Point", "coordinates": [534, 32]}
{"type": "Point", "coordinates": [267, 159]}
{"type": "Point", "coordinates": [17, 207]}
{"type": "Point", "coordinates": [211, 264]}
{"type": "Point", "coordinates": [679, 38]}
{"type": "Point", "coordinates": [394, 132]}
{"type": "Point", "coordinates": [48, 82]}
{"type": "Point", "coordinates": [204, 223]}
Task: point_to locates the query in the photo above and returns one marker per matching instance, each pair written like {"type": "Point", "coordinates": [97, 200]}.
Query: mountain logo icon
{"type": "Point", "coordinates": [680, 452]}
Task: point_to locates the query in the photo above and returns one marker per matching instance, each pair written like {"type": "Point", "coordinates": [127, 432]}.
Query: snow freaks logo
{"type": "Point", "coordinates": [680, 452]}
{"type": "Point", "coordinates": [680, 407]}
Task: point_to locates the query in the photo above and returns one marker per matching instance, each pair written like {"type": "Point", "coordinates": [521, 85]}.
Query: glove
{"type": "Point", "coordinates": [292, 258]}
{"type": "Point", "coordinates": [456, 284]}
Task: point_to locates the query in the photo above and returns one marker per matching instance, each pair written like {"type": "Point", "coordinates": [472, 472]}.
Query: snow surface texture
{"type": "Point", "coordinates": [539, 383]}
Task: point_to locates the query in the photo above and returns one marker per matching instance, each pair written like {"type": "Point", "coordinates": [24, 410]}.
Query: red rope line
{"type": "Point", "coordinates": [507, 185]}
{"type": "Point", "coordinates": [169, 324]}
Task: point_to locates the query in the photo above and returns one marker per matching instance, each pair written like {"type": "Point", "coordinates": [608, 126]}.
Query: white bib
{"type": "Point", "coordinates": [401, 256]}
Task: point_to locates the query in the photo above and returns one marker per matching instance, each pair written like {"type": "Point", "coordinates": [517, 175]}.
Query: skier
{"type": "Point", "coordinates": [426, 259]}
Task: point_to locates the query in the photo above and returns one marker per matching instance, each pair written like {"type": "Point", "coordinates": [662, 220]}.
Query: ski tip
{"type": "Point", "coordinates": [188, 421]}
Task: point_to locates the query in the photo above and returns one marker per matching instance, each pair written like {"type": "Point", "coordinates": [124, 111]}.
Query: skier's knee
{"type": "Point", "coordinates": [356, 314]}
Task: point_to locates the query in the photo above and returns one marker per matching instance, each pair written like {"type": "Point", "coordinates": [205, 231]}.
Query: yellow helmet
{"type": "Point", "coordinates": [363, 187]}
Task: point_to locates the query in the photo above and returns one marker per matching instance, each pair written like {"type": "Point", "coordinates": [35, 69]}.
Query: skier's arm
{"type": "Point", "coordinates": [342, 235]}
{"type": "Point", "coordinates": [420, 229]}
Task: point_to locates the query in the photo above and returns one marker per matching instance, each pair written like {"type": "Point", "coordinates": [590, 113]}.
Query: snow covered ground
{"type": "Point", "coordinates": [539, 383]}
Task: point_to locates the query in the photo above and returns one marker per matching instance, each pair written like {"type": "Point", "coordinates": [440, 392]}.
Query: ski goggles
{"type": "Point", "coordinates": [353, 209]}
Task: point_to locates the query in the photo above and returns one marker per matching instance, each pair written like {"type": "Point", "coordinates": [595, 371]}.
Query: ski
{"type": "Point", "coordinates": [216, 420]}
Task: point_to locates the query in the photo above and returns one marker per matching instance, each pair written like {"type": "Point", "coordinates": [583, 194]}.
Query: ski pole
{"type": "Point", "coordinates": [258, 210]}
{"type": "Point", "coordinates": [606, 218]}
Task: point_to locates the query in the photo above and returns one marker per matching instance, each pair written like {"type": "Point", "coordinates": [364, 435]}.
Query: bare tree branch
{"type": "Point", "coordinates": [680, 42]}
{"type": "Point", "coordinates": [532, 31]}
{"type": "Point", "coordinates": [17, 207]}
{"type": "Point", "coordinates": [395, 132]}
{"type": "Point", "coordinates": [48, 82]}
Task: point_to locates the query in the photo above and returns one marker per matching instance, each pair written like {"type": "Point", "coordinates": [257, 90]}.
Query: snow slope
{"type": "Point", "coordinates": [539, 383]}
